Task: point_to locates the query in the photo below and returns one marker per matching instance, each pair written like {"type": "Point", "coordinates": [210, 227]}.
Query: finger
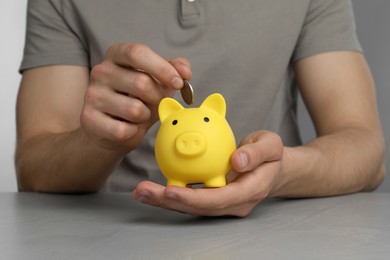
{"type": "Point", "coordinates": [256, 149]}
{"type": "Point", "coordinates": [153, 194]}
{"type": "Point", "coordinates": [200, 202]}
{"type": "Point", "coordinates": [236, 199]}
{"type": "Point", "coordinates": [134, 83]}
{"type": "Point", "coordinates": [149, 193]}
{"type": "Point", "coordinates": [141, 57]}
{"type": "Point", "coordinates": [183, 66]}
{"type": "Point", "coordinates": [156, 195]}
{"type": "Point", "coordinates": [127, 108]}
{"type": "Point", "coordinates": [233, 199]}
{"type": "Point", "coordinates": [104, 127]}
{"type": "Point", "coordinates": [117, 105]}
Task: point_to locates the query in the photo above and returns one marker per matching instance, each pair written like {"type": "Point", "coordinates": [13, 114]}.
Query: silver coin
{"type": "Point", "coordinates": [187, 93]}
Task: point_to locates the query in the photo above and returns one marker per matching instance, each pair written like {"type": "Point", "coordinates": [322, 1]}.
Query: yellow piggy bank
{"type": "Point", "coordinates": [194, 145]}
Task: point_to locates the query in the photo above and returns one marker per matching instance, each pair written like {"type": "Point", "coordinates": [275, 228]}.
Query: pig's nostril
{"type": "Point", "coordinates": [191, 144]}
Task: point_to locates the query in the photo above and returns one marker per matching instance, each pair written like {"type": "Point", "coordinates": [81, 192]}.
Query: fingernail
{"type": "Point", "coordinates": [145, 193]}
{"type": "Point", "coordinates": [177, 82]}
{"type": "Point", "coordinates": [171, 196]}
{"type": "Point", "coordinates": [243, 160]}
{"type": "Point", "coordinates": [143, 199]}
{"type": "Point", "coordinates": [144, 196]}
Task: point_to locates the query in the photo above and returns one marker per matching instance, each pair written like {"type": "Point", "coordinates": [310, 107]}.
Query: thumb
{"type": "Point", "coordinates": [256, 149]}
{"type": "Point", "coordinates": [182, 66]}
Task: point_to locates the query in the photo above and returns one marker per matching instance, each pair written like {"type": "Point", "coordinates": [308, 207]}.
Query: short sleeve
{"type": "Point", "coordinates": [49, 39]}
{"type": "Point", "coordinates": [329, 26]}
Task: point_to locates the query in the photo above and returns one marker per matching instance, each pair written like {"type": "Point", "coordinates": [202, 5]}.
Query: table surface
{"type": "Point", "coordinates": [113, 226]}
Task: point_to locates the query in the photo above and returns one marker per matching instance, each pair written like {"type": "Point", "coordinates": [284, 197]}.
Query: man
{"type": "Point", "coordinates": [93, 76]}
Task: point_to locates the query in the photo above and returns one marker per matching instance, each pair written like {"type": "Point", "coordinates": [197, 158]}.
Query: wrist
{"type": "Point", "coordinates": [101, 147]}
{"type": "Point", "coordinates": [283, 176]}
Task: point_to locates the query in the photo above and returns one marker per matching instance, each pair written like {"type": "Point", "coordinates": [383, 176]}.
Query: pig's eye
{"type": "Point", "coordinates": [206, 119]}
{"type": "Point", "coordinates": [174, 122]}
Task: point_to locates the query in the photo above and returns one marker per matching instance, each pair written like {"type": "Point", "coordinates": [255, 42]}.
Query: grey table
{"type": "Point", "coordinates": [113, 226]}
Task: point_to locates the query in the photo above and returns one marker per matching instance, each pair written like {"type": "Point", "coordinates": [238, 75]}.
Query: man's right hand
{"type": "Point", "coordinates": [124, 92]}
{"type": "Point", "coordinates": [116, 102]}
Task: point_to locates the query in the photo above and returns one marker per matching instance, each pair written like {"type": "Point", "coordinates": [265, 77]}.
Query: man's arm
{"type": "Point", "coordinates": [348, 155]}
{"type": "Point", "coordinates": [53, 153]}
{"type": "Point", "coordinates": [74, 126]}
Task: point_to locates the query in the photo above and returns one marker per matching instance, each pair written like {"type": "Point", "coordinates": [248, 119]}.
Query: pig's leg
{"type": "Point", "coordinates": [172, 182]}
{"type": "Point", "coordinates": [218, 181]}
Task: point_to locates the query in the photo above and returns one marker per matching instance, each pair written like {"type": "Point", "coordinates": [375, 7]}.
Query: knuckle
{"type": "Point", "coordinates": [255, 156]}
{"type": "Point", "coordinates": [100, 71]}
{"type": "Point", "coordinates": [267, 146]}
{"type": "Point", "coordinates": [277, 145]}
{"type": "Point", "coordinates": [137, 110]}
{"type": "Point", "coordinates": [275, 138]}
{"type": "Point", "coordinates": [136, 51]}
{"type": "Point", "coordinates": [121, 132]}
{"type": "Point", "coordinates": [141, 83]}
{"type": "Point", "coordinates": [111, 50]}
{"type": "Point", "coordinates": [181, 60]}
{"type": "Point", "coordinates": [91, 95]}
{"type": "Point", "coordinates": [259, 135]}
{"type": "Point", "coordinates": [165, 71]}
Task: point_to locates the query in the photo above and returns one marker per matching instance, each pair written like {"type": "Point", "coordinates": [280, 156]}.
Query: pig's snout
{"type": "Point", "coordinates": [191, 144]}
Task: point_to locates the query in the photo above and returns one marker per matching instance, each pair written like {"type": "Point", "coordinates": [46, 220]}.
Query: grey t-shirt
{"type": "Point", "coordinates": [242, 49]}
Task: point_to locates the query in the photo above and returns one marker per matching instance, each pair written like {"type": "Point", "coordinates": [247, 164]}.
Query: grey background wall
{"type": "Point", "coordinates": [373, 26]}
{"type": "Point", "coordinates": [12, 25]}
{"type": "Point", "coordinates": [373, 23]}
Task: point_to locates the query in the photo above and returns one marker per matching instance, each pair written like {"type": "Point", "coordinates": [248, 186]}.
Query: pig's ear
{"type": "Point", "coordinates": [215, 102]}
{"type": "Point", "coordinates": [168, 106]}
